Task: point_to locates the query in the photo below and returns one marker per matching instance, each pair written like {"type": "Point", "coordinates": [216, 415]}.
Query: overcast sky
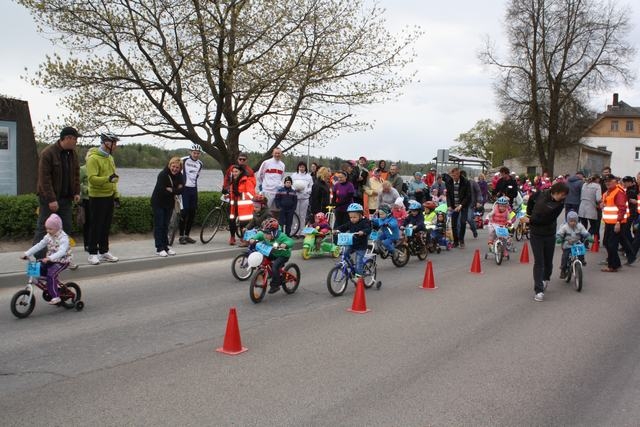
{"type": "Point", "coordinates": [453, 91]}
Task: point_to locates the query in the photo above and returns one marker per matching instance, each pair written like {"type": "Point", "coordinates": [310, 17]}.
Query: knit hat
{"type": "Point", "coordinates": [54, 222]}
{"type": "Point", "coordinates": [572, 216]}
{"type": "Point", "coordinates": [288, 179]}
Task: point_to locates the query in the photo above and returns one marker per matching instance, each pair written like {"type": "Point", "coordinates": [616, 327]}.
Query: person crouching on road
{"type": "Point", "coordinates": [58, 257]}
{"type": "Point", "coordinates": [271, 233]}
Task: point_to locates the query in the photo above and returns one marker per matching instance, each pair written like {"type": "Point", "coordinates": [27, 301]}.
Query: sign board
{"type": "Point", "coordinates": [442, 156]}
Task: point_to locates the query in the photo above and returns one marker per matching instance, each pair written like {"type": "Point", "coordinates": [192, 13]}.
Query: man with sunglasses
{"type": "Point", "coordinates": [242, 162]}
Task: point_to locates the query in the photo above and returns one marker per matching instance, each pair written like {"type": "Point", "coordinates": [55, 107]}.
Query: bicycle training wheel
{"type": "Point", "coordinates": [369, 272]}
{"type": "Point", "coordinates": [337, 280]}
{"type": "Point", "coordinates": [258, 285]}
{"type": "Point", "coordinates": [240, 267]}
{"type": "Point", "coordinates": [577, 276]}
{"type": "Point", "coordinates": [569, 271]}
{"type": "Point", "coordinates": [69, 294]}
{"type": "Point", "coordinates": [290, 278]}
{"type": "Point", "coordinates": [498, 248]}
{"type": "Point", "coordinates": [21, 305]}
{"type": "Point", "coordinates": [210, 225]}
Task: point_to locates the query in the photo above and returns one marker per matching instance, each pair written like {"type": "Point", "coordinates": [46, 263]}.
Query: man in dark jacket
{"type": "Point", "coordinates": [58, 181]}
{"type": "Point", "coordinates": [506, 186]}
{"type": "Point", "coordinates": [543, 209]}
{"type": "Point", "coordinates": [458, 199]}
{"type": "Point", "coordinates": [572, 202]}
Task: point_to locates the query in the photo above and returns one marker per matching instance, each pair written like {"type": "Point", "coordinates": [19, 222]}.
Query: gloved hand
{"type": "Point", "coordinates": [116, 203]}
{"type": "Point", "coordinates": [590, 239]}
{"type": "Point", "coordinates": [113, 178]}
{"type": "Point", "coordinates": [559, 241]}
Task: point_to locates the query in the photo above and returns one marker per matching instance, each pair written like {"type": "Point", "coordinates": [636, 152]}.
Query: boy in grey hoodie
{"type": "Point", "coordinates": [569, 233]}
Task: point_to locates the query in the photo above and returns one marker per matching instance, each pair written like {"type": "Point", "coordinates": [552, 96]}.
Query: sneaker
{"type": "Point", "coordinates": [108, 257]}
{"type": "Point", "coordinates": [603, 262]}
{"type": "Point", "coordinates": [170, 251]}
{"type": "Point", "coordinates": [539, 297]}
{"type": "Point", "coordinates": [475, 234]}
{"type": "Point", "coordinates": [182, 240]}
{"type": "Point", "coordinates": [461, 245]}
{"type": "Point", "coordinates": [55, 301]}
{"type": "Point", "coordinates": [545, 283]}
{"type": "Point", "coordinates": [93, 260]}
{"type": "Point", "coordinates": [273, 289]}
{"type": "Point", "coordinates": [563, 274]}
{"type": "Point", "coordinates": [189, 239]}
{"type": "Point", "coordinates": [73, 266]}
{"type": "Point", "coordinates": [232, 241]}
{"type": "Point", "coordinates": [163, 254]}
{"type": "Point", "coordinates": [243, 244]}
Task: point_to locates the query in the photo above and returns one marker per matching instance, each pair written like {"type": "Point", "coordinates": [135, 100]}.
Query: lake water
{"type": "Point", "coordinates": [140, 182]}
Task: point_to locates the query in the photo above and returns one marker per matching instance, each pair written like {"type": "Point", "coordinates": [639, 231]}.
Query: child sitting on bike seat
{"type": "Point", "coordinates": [58, 257]}
{"type": "Point", "coordinates": [499, 216]}
{"type": "Point", "coordinates": [322, 226]}
{"type": "Point", "coordinates": [415, 218]}
{"type": "Point", "coordinates": [569, 233]}
{"type": "Point", "coordinates": [361, 228]}
{"type": "Point", "coordinates": [398, 211]}
{"type": "Point", "coordinates": [271, 233]}
{"type": "Point", "coordinates": [429, 212]}
{"type": "Point", "coordinates": [388, 226]}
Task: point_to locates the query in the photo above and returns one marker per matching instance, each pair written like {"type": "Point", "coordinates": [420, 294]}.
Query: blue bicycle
{"type": "Point", "coordinates": [345, 270]}
{"type": "Point", "coordinates": [574, 265]}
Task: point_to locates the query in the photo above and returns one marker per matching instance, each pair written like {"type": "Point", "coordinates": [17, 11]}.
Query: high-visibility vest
{"type": "Point", "coordinates": [242, 202]}
{"type": "Point", "coordinates": [610, 209]}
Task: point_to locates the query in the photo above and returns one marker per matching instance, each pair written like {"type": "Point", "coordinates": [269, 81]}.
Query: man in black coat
{"type": "Point", "coordinates": [458, 199]}
{"type": "Point", "coordinates": [506, 186]}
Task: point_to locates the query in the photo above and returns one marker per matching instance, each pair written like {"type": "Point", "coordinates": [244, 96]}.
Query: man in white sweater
{"type": "Point", "coordinates": [270, 176]}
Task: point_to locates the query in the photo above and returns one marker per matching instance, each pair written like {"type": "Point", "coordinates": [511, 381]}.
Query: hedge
{"type": "Point", "coordinates": [19, 214]}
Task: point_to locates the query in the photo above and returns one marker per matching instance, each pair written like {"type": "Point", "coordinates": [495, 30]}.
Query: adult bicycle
{"type": "Point", "coordinates": [216, 219]}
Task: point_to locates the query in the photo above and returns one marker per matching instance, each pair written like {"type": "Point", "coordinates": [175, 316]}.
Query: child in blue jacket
{"type": "Point", "coordinates": [286, 200]}
{"type": "Point", "coordinates": [389, 232]}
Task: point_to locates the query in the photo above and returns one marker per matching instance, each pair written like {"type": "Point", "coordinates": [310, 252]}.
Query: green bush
{"type": "Point", "coordinates": [19, 214]}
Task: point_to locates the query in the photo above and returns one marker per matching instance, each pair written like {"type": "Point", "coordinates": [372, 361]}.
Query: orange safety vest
{"type": "Point", "coordinates": [243, 201]}
{"type": "Point", "coordinates": [610, 209]}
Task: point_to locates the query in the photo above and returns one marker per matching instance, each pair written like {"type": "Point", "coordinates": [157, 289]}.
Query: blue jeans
{"type": "Point", "coordinates": [276, 265]}
{"type": "Point", "coordinates": [359, 258]}
{"type": "Point", "coordinates": [161, 218]}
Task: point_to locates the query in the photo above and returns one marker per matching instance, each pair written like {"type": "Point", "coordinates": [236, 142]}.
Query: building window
{"type": "Point", "coordinates": [637, 156]}
{"type": "Point", "coordinates": [533, 170]}
{"type": "Point", "coordinates": [614, 126]}
{"type": "Point", "coordinates": [629, 126]}
{"type": "Point", "coordinates": [602, 147]}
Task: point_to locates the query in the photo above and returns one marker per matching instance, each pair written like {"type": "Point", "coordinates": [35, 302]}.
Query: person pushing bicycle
{"type": "Point", "coordinates": [270, 233]}
{"type": "Point", "coordinates": [361, 228]}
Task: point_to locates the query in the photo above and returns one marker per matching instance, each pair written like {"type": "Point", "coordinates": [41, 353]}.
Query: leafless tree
{"type": "Point", "coordinates": [560, 51]}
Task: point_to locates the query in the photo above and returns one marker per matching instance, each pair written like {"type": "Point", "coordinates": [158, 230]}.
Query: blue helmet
{"type": "Point", "coordinates": [502, 200]}
{"type": "Point", "coordinates": [355, 207]}
{"type": "Point", "coordinates": [414, 206]}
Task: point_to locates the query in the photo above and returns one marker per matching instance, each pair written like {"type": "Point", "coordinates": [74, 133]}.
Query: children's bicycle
{"type": "Point", "coordinates": [522, 228]}
{"type": "Point", "coordinates": [501, 246]}
{"type": "Point", "coordinates": [574, 265]}
{"type": "Point", "coordinates": [240, 267]}
{"type": "Point", "coordinates": [290, 274]}
{"type": "Point", "coordinates": [24, 301]}
{"type": "Point", "coordinates": [416, 242]}
{"type": "Point", "coordinates": [345, 270]}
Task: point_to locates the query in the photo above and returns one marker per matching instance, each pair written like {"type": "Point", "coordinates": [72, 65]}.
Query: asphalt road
{"type": "Point", "coordinates": [476, 351]}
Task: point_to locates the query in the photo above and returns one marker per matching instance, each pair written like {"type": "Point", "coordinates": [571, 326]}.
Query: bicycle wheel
{"type": "Point", "coordinates": [210, 225]}
{"type": "Point", "coordinates": [577, 275]}
{"type": "Point", "coordinates": [240, 267]}
{"type": "Point", "coordinates": [369, 272]}
{"type": "Point", "coordinates": [400, 256]}
{"type": "Point", "coordinates": [423, 251]}
{"type": "Point", "coordinates": [295, 224]}
{"type": "Point", "coordinates": [21, 305]}
{"type": "Point", "coordinates": [337, 280]}
{"type": "Point", "coordinates": [258, 285]}
{"type": "Point", "coordinates": [239, 229]}
{"type": "Point", "coordinates": [290, 278]}
{"type": "Point", "coordinates": [519, 232]}
{"type": "Point", "coordinates": [174, 225]}
{"type": "Point", "coordinates": [569, 271]}
{"type": "Point", "coordinates": [69, 294]}
{"type": "Point", "coordinates": [498, 249]}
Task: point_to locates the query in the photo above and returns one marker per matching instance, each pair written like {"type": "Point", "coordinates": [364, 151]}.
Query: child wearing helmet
{"type": "Point", "coordinates": [270, 232]}
{"type": "Point", "coordinates": [439, 233]}
{"type": "Point", "coordinates": [361, 228]}
{"type": "Point", "coordinates": [322, 225]}
{"type": "Point", "coordinates": [569, 233]}
{"type": "Point", "coordinates": [415, 219]}
{"type": "Point", "coordinates": [388, 226]}
{"type": "Point", "coordinates": [429, 212]}
{"type": "Point", "coordinates": [398, 211]}
{"type": "Point", "coordinates": [499, 216]}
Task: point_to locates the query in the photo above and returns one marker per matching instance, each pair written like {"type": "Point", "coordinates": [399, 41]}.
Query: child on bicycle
{"type": "Point", "coordinates": [361, 228]}
{"type": "Point", "coordinates": [439, 233]}
{"type": "Point", "coordinates": [569, 233]}
{"type": "Point", "coordinates": [261, 212]}
{"type": "Point", "coordinates": [287, 201]}
{"type": "Point", "coordinates": [270, 233]}
{"type": "Point", "coordinates": [388, 226]}
{"type": "Point", "coordinates": [322, 226]}
{"type": "Point", "coordinates": [58, 257]}
{"type": "Point", "coordinates": [499, 216]}
{"type": "Point", "coordinates": [415, 219]}
{"type": "Point", "coordinates": [429, 212]}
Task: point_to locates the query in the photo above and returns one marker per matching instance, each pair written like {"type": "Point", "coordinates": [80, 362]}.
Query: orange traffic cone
{"type": "Point", "coordinates": [524, 256]}
{"type": "Point", "coordinates": [595, 247]}
{"type": "Point", "coordinates": [475, 265]}
{"type": "Point", "coordinates": [359, 305]}
{"type": "Point", "coordinates": [428, 283]}
{"type": "Point", "coordinates": [232, 344]}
